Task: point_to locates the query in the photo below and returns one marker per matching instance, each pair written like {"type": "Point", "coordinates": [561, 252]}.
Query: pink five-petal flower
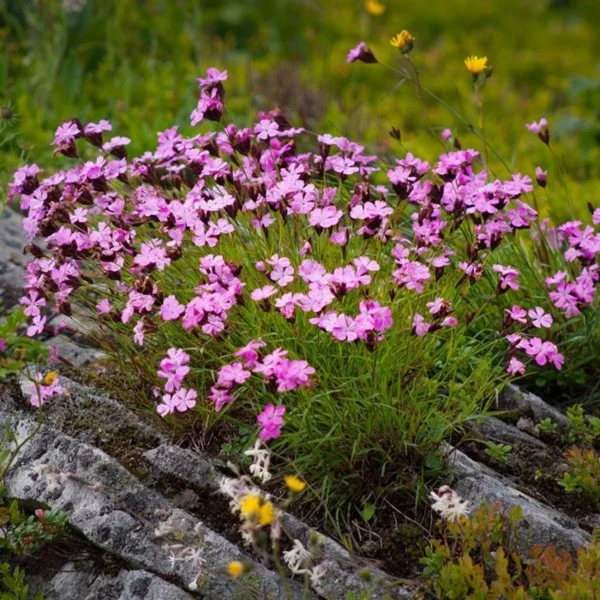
{"type": "Point", "coordinates": [539, 318]}
{"type": "Point", "coordinates": [515, 367]}
{"type": "Point", "coordinates": [270, 420]}
{"type": "Point", "coordinates": [171, 309]}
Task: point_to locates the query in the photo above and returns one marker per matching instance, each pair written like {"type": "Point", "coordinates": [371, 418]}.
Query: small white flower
{"type": "Point", "coordinates": [317, 575]}
{"type": "Point", "coordinates": [449, 504]}
{"type": "Point", "coordinates": [298, 558]}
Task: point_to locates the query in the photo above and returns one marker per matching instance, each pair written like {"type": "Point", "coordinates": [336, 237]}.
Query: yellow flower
{"type": "Point", "coordinates": [404, 41]}
{"type": "Point", "coordinates": [253, 507]}
{"type": "Point", "coordinates": [295, 484]}
{"type": "Point", "coordinates": [50, 378]}
{"type": "Point", "coordinates": [375, 8]}
{"type": "Point", "coordinates": [475, 65]}
{"type": "Point", "coordinates": [235, 568]}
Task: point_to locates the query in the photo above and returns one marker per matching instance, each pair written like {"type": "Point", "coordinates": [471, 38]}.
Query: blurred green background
{"type": "Point", "coordinates": [134, 62]}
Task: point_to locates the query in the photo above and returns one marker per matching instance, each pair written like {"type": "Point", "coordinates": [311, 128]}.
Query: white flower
{"type": "Point", "coordinates": [449, 504]}
{"type": "Point", "coordinates": [172, 560]}
{"type": "Point", "coordinates": [262, 461]}
{"type": "Point", "coordinates": [297, 558]}
{"type": "Point", "coordinates": [194, 556]}
{"type": "Point", "coordinates": [317, 575]}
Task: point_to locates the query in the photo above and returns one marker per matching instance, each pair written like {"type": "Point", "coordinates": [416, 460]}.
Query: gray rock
{"type": "Point", "coordinates": [514, 398]}
{"type": "Point", "coordinates": [118, 514]}
{"type": "Point", "coordinates": [540, 524]}
{"type": "Point", "coordinates": [12, 261]}
{"type": "Point", "coordinates": [74, 583]}
{"type": "Point", "coordinates": [189, 467]}
{"type": "Point", "coordinates": [495, 430]}
{"type": "Point", "coordinates": [342, 571]}
{"type": "Point", "coordinates": [94, 417]}
{"type": "Point", "coordinates": [78, 355]}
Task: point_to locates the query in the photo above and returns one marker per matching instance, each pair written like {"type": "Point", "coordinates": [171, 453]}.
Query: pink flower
{"type": "Point", "coordinates": [515, 367]}
{"type": "Point", "coordinates": [420, 326]}
{"type": "Point", "coordinates": [361, 53]}
{"type": "Point", "coordinates": [174, 369]}
{"type": "Point", "coordinates": [219, 397]}
{"type": "Point", "coordinates": [249, 353]}
{"type": "Point", "coordinates": [543, 352]}
{"type": "Point", "coordinates": [263, 293]}
{"type": "Point", "coordinates": [446, 134]}
{"type": "Point", "coordinates": [517, 314]}
{"type": "Point", "coordinates": [171, 309]}
{"type": "Point", "coordinates": [230, 374]}
{"type": "Point", "coordinates": [539, 318]}
{"type": "Point", "coordinates": [3, 345]}
{"type": "Point", "coordinates": [325, 218]}
{"type": "Point", "coordinates": [508, 277]}
{"type": "Point", "coordinates": [184, 399]}
{"type": "Point", "coordinates": [537, 127]}
{"type": "Point", "coordinates": [270, 420]}
{"type": "Point", "coordinates": [138, 331]}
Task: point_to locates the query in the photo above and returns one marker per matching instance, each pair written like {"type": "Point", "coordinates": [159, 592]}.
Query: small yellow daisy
{"type": "Point", "coordinates": [476, 65]}
{"type": "Point", "coordinates": [50, 378]}
{"type": "Point", "coordinates": [404, 41]}
{"type": "Point", "coordinates": [374, 8]}
{"type": "Point", "coordinates": [294, 484]}
{"type": "Point", "coordinates": [235, 568]}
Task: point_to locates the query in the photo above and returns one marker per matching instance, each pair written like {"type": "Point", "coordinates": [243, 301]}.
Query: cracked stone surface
{"type": "Point", "coordinates": [541, 524]}
{"type": "Point", "coordinates": [496, 430]}
{"type": "Point", "coordinates": [73, 583]}
{"type": "Point", "coordinates": [342, 571]}
{"type": "Point", "coordinates": [117, 513]}
{"type": "Point", "coordinates": [514, 398]}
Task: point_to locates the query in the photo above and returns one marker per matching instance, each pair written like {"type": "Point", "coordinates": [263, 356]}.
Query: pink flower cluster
{"type": "Point", "coordinates": [203, 195]}
{"type": "Point", "coordinates": [277, 370]}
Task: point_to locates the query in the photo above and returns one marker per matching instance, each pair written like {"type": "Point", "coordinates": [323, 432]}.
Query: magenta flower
{"type": "Point", "coordinates": [537, 127]}
{"type": "Point", "coordinates": [230, 374]}
{"type": "Point", "coordinates": [420, 326]}
{"type": "Point", "coordinates": [3, 345]}
{"type": "Point", "coordinates": [539, 318]}
{"type": "Point", "coordinates": [174, 369]}
{"type": "Point", "coordinates": [171, 309]}
{"type": "Point", "coordinates": [516, 314]}
{"type": "Point", "coordinates": [515, 367]}
{"type": "Point", "coordinates": [446, 134]}
{"type": "Point", "coordinates": [361, 53]}
{"type": "Point", "coordinates": [325, 218]}
{"type": "Point", "coordinates": [220, 397]}
{"type": "Point", "coordinates": [507, 278]}
{"type": "Point", "coordinates": [270, 420]}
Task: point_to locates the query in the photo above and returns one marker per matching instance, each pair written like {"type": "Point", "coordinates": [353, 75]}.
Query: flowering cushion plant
{"type": "Point", "coordinates": [293, 280]}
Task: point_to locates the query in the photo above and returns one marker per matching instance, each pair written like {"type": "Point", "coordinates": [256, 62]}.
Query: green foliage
{"type": "Point", "coordinates": [547, 426]}
{"type": "Point", "coordinates": [583, 428]}
{"type": "Point", "coordinates": [477, 558]}
{"type": "Point", "coordinates": [498, 452]}
{"type": "Point", "coordinates": [20, 349]}
{"type": "Point", "coordinates": [583, 475]}
{"type": "Point", "coordinates": [13, 585]}
{"type": "Point", "coordinates": [20, 533]}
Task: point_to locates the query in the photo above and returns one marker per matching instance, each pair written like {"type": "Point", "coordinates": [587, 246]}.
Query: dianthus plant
{"type": "Point", "coordinates": [291, 280]}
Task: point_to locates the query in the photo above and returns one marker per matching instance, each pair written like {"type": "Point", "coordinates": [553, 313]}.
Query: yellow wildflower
{"type": "Point", "coordinates": [295, 484]}
{"type": "Point", "coordinates": [50, 378]}
{"type": "Point", "coordinates": [476, 65]}
{"type": "Point", "coordinates": [235, 568]}
{"type": "Point", "coordinates": [404, 41]}
{"type": "Point", "coordinates": [253, 507]}
{"type": "Point", "coordinates": [375, 8]}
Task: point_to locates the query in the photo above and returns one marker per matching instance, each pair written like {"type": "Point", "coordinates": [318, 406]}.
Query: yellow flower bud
{"type": "Point", "coordinates": [235, 568]}
{"type": "Point", "coordinates": [294, 484]}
